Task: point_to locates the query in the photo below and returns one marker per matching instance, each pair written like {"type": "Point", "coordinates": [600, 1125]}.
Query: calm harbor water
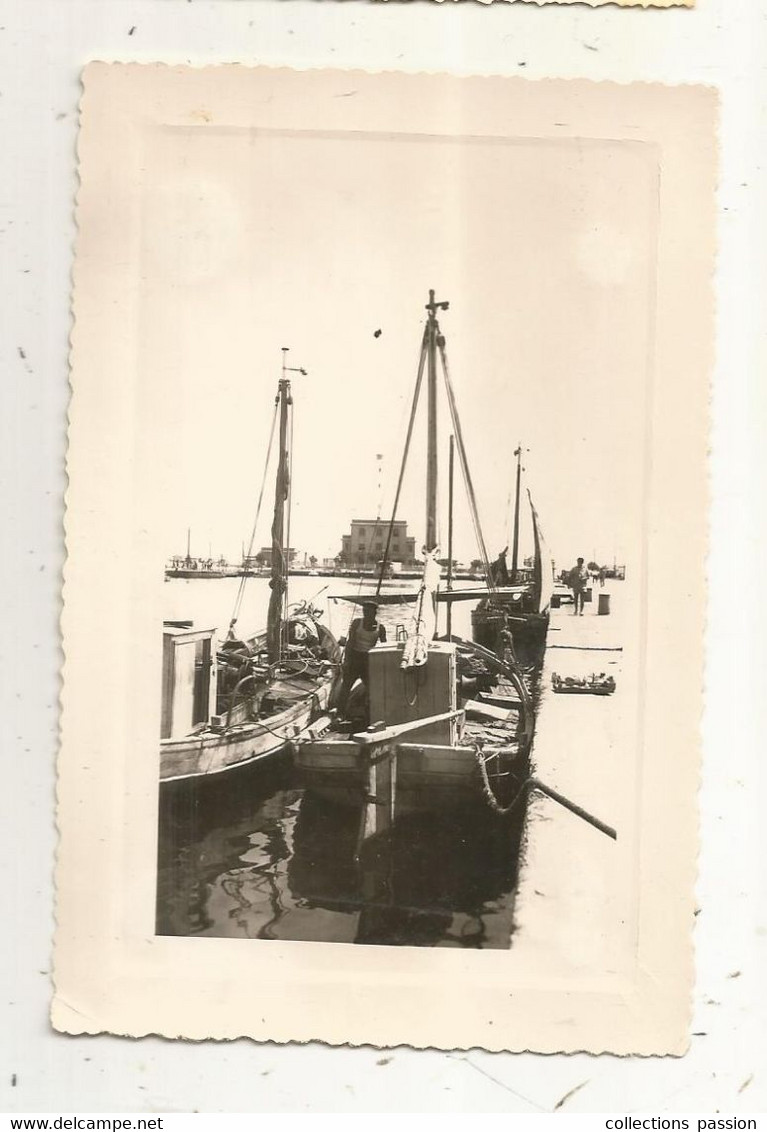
{"type": "Point", "coordinates": [249, 855]}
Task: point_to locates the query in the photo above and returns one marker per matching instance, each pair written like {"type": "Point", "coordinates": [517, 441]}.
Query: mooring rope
{"type": "Point", "coordinates": [535, 784]}
{"type": "Point", "coordinates": [487, 789]}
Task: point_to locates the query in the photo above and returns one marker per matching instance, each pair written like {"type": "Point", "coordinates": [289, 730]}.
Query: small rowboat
{"type": "Point", "coordinates": [594, 685]}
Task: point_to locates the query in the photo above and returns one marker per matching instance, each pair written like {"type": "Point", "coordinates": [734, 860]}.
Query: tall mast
{"type": "Point", "coordinates": [280, 555]}
{"type": "Point", "coordinates": [515, 543]}
{"type": "Point", "coordinates": [432, 335]}
{"type": "Point", "coordinates": [450, 536]}
{"type": "Point", "coordinates": [188, 544]}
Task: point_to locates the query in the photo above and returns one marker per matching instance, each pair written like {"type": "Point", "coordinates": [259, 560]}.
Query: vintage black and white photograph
{"type": "Point", "coordinates": [404, 549]}
{"type": "Point", "coordinates": [397, 568]}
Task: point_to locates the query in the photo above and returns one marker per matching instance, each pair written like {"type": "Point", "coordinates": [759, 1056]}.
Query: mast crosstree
{"type": "Point", "coordinates": [433, 353]}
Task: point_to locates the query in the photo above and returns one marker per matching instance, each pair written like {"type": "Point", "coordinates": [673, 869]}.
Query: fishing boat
{"type": "Point", "coordinates": [520, 598]}
{"type": "Point", "coordinates": [446, 722]}
{"type": "Point", "coordinates": [512, 603]}
{"type": "Point", "coordinates": [195, 567]}
{"type": "Point", "coordinates": [229, 706]}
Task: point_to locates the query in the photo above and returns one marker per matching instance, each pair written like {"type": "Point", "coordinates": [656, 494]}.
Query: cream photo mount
{"type": "Point", "coordinates": [554, 990]}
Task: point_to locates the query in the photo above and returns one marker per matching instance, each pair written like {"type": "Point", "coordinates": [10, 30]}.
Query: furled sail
{"type": "Point", "coordinates": [543, 575]}
{"type": "Point", "coordinates": [279, 564]}
{"type": "Point", "coordinates": [424, 621]}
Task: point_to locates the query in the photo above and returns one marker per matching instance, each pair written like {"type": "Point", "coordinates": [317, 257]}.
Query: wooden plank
{"type": "Point", "coordinates": [380, 803]}
{"type": "Point", "coordinates": [386, 734]}
{"type": "Point", "coordinates": [319, 727]}
{"type": "Point", "coordinates": [590, 648]}
{"type": "Point", "coordinates": [499, 700]}
{"type": "Point", "coordinates": [435, 764]}
{"type": "Point", "coordinates": [476, 710]}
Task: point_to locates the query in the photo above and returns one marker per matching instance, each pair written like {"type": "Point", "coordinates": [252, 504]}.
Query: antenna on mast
{"type": "Point", "coordinates": [289, 369]}
{"type": "Point", "coordinates": [379, 464]}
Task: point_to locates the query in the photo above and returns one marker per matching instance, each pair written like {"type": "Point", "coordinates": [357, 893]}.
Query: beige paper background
{"type": "Point", "coordinates": [111, 973]}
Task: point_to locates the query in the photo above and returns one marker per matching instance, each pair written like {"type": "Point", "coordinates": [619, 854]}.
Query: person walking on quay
{"type": "Point", "coordinates": [578, 580]}
{"type": "Point", "coordinates": [364, 634]}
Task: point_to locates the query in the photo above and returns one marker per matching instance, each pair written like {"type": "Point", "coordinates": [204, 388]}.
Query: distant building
{"type": "Point", "coordinates": [366, 543]}
{"type": "Point", "coordinates": [264, 558]}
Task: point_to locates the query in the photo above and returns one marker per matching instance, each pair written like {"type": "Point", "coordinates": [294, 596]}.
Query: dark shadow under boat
{"type": "Point", "coordinates": [436, 878]}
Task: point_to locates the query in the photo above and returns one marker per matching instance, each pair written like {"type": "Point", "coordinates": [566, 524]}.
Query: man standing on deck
{"type": "Point", "coordinates": [499, 571]}
{"type": "Point", "coordinates": [364, 634]}
{"type": "Point", "coordinates": [578, 580]}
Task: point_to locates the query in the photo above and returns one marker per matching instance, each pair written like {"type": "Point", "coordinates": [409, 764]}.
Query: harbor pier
{"type": "Point", "coordinates": [575, 894]}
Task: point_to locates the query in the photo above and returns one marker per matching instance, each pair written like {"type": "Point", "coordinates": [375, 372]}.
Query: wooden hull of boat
{"type": "Point", "coordinates": [213, 752]}
{"type": "Point", "coordinates": [428, 777]}
{"type": "Point", "coordinates": [528, 631]}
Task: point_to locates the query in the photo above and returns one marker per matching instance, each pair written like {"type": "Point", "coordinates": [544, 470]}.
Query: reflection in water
{"type": "Point", "coordinates": [256, 858]}
{"type": "Point", "coordinates": [434, 882]}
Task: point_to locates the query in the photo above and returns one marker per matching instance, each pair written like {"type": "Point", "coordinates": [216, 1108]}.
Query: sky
{"type": "Point", "coordinates": [252, 241]}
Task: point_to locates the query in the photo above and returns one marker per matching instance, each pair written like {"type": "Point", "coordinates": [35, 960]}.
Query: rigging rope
{"type": "Point", "coordinates": [507, 525]}
{"type": "Point", "coordinates": [411, 422]}
{"type": "Point", "coordinates": [241, 588]}
{"type": "Point", "coordinates": [464, 465]}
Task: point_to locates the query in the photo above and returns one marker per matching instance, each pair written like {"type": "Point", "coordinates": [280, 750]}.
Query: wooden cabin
{"type": "Point", "coordinates": [401, 696]}
{"type": "Point", "coordinates": [188, 678]}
